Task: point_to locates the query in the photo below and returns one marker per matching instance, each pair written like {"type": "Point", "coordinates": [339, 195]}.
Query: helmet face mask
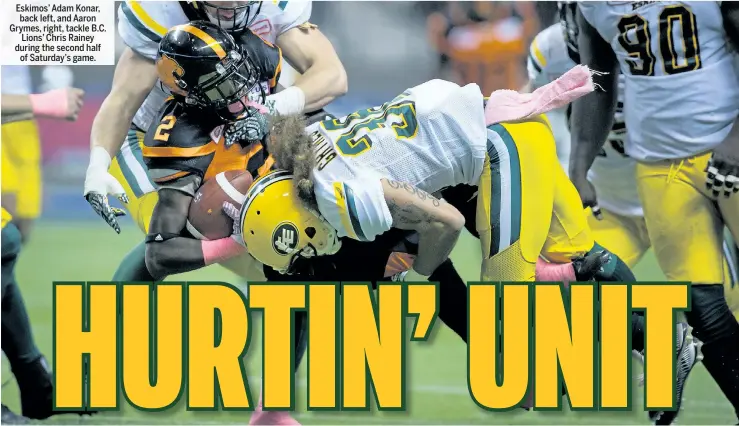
{"type": "Point", "coordinates": [570, 29]}
{"type": "Point", "coordinates": [228, 89]}
{"type": "Point", "coordinates": [203, 65]}
{"type": "Point", "coordinates": [233, 16]}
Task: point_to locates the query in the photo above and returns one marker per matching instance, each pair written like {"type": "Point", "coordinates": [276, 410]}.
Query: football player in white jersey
{"type": "Point", "coordinates": [116, 164]}
{"type": "Point", "coordinates": [682, 101]}
{"type": "Point", "coordinates": [377, 169]}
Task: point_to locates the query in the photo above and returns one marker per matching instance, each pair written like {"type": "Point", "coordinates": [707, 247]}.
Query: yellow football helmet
{"type": "Point", "coordinates": [278, 229]}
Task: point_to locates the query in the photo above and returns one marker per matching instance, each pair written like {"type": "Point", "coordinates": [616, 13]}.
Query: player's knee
{"type": "Point", "coordinates": [155, 258]}
{"type": "Point", "coordinates": [710, 316]}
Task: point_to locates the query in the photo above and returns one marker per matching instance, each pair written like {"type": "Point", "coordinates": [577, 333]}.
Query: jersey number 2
{"type": "Point", "coordinates": [635, 38]}
{"type": "Point", "coordinates": [162, 133]}
{"type": "Point", "coordinates": [350, 144]}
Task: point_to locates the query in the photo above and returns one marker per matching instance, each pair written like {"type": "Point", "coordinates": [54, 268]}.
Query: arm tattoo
{"type": "Point", "coordinates": [420, 193]}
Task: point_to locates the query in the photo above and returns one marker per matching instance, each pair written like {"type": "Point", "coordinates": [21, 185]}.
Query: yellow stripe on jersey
{"type": "Point", "coordinates": [343, 209]}
{"type": "Point", "coordinates": [6, 218]}
{"type": "Point", "coordinates": [145, 19]}
{"type": "Point", "coordinates": [536, 54]}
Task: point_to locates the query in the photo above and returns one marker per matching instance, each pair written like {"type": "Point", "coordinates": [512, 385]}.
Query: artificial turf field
{"type": "Point", "coordinates": [80, 251]}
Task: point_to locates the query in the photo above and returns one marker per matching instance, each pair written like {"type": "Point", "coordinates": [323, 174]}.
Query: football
{"type": "Point", "coordinates": [206, 219]}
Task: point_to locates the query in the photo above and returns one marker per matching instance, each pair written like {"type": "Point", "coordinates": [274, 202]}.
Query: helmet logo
{"type": "Point", "coordinates": [170, 73]}
{"type": "Point", "coordinates": [285, 238]}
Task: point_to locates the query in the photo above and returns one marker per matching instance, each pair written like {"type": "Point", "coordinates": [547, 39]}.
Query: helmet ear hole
{"type": "Point", "coordinates": [310, 232]}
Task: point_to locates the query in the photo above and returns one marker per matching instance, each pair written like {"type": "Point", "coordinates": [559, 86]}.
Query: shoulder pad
{"type": "Point", "coordinates": [266, 56]}
{"type": "Point", "coordinates": [142, 24]}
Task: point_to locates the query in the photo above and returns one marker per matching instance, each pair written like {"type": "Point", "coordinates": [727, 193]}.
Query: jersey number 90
{"type": "Point", "coordinates": [635, 38]}
{"type": "Point", "coordinates": [402, 120]}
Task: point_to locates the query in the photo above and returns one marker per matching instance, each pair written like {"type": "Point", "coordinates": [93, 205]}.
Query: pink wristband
{"type": "Point", "coordinates": [215, 251]}
{"type": "Point", "coordinates": [51, 104]}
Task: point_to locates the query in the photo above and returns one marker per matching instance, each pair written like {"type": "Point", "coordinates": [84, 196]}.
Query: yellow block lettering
{"type": "Point", "coordinates": [661, 303]}
{"type": "Point", "coordinates": [373, 342]}
{"type": "Point", "coordinates": [322, 349]}
{"type": "Point", "coordinates": [615, 352]}
{"type": "Point", "coordinates": [152, 344]}
{"type": "Point", "coordinates": [86, 325]}
{"type": "Point", "coordinates": [556, 345]}
{"type": "Point", "coordinates": [278, 301]}
{"type": "Point", "coordinates": [490, 387]}
{"type": "Point", "coordinates": [218, 336]}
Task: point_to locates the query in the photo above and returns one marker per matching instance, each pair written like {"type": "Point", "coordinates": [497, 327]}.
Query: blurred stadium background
{"type": "Point", "coordinates": [385, 47]}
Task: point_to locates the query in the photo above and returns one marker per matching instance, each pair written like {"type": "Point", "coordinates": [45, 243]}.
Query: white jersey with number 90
{"type": "Point", "coordinates": [682, 89]}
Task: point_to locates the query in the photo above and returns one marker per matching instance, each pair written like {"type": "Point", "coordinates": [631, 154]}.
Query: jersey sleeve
{"type": "Point", "coordinates": [537, 60]}
{"type": "Point", "coordinates": [356, 208]}
{"type": "Point", "coordinates": [142, 24]}
{"type": "Point", "coordinates": [294, 13]}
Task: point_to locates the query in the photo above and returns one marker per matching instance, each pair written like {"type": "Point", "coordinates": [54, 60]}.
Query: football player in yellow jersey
{"type": "Point", "coordinates": [21, 153]}
{"type": "Point", "coordinates": [28, 365]}
{"type": "Point", "coordinates": [682, 107]}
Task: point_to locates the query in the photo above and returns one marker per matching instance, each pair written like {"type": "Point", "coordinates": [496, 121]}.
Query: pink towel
{"type": "Point", "coordinates": [509, 105]}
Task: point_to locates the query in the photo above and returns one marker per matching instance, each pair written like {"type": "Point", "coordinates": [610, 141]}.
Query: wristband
{"type": "Point", "coordinates": [99, 158]}
{"type": "Point", "coordinates": [216, 251]}
{"type": "Point", "coordinates": [289, 101]}
{"type": "Point", "coordinates": [51, 104]}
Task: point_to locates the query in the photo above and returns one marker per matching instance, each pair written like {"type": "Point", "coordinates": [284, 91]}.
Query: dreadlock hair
{"type": "Point", "coordinates": [292, 149]}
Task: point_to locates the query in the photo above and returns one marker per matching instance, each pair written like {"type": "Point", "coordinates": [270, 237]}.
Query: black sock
{"type": "Point", "coordinates": [133, 266]}
{"type": "Point", "coordinates": [452, 298]}
{"type": "Point", "coordinates": [301, 336]}
{"type": "Point", "coordinates": [715, 326]}
{"type": "Point", "coordinates": [637, 332]}
{"type": "Point", "coordinates": [17, 337]}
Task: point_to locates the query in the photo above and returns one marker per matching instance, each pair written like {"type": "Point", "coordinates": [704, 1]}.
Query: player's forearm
{"type": "Point", "coordinates": [322, 83]}
{"type": "Point", "coordinates": [13, 117]}
{"type": "Point", "coordinates": [174, 256]}
{"type": "Point", "coordinates": [133, 80]}
{"type": "Point", "coordinates": [111, 124]}
{"type": "Point", "coordinates": [591, 121]}
{"type": "Point", "coordinates": [323, 76]}
{"type": "Point", "coordinates": [16, 104]}
{"type": "Point", "coordinates": [181, 254]}
{"type": "Point", "coordinates": [434, 247]}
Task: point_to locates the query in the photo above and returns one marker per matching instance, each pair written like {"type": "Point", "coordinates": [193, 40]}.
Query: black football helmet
{"type": "Point", "coordinates": [233, 16]}
{"type": "Point", "coordinates": [568, 20]}
{"type": "Point", "coordinates": [203, 64]}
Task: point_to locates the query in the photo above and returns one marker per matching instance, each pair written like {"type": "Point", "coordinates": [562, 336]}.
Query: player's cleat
{"type": "Point", "coordinates": [37, 391]}
{"type": "Point", "coordinates": [277, 418]}
{"type": "Point", "coordinates": [399, 277]}
{"type": "Point", "coordinates": [10, 418]}
{"type": "Point", "coordinates": [687, 357]}
{"type": "Point", "coordinates": [588, 266]}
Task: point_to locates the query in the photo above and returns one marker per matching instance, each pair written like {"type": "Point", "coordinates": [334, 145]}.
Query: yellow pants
{"type": "Point", "coordinates": [526, 205]}
{"type": "Point", "coordinates": [129, 169]}
{"type": "Point", "coordinates": [21, 167]}
{"type": "Point", "coordinates": [685, 221]}
{"type": "Point", "coordinates": [624, 236]}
